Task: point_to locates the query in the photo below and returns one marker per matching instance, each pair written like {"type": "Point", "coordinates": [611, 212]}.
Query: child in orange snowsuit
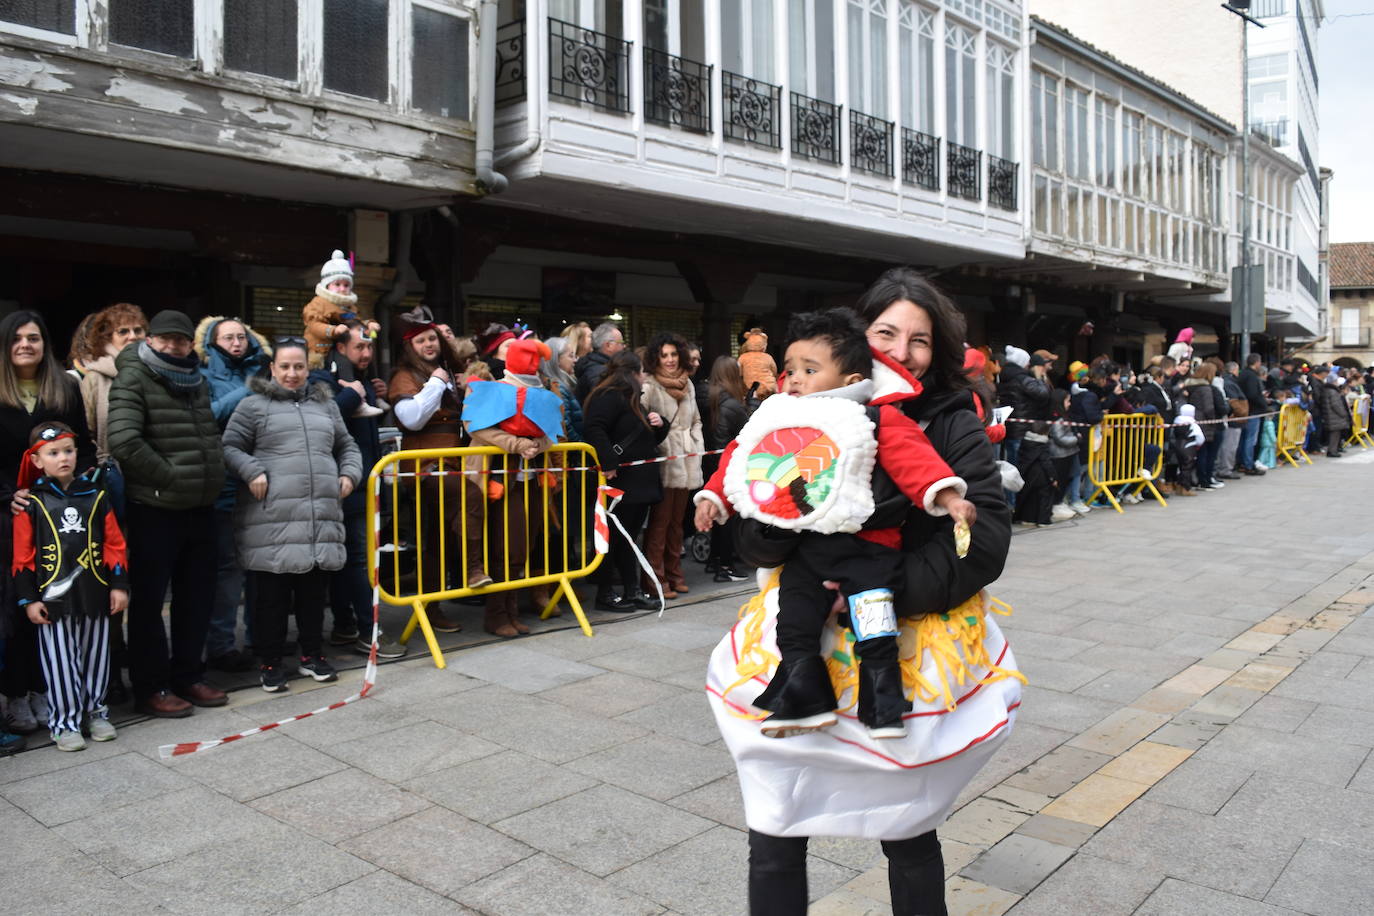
{"type": "Point", "coordinates": [756, 365]}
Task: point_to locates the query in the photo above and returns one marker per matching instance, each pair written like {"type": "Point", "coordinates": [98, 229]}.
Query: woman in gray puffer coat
{"type": "Point", "coordinates": [288, 444]}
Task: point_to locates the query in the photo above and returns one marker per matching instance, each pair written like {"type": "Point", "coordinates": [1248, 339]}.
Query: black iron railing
{"type": "Point", "coordinates": [920, 159]}
{"type": "Point", "coordinates": [677, 91]}
{"type": "Point", "coordinates": [510, 62]}
{"type": "Point", "coordinates": [588, 66]}
{"type": "Point", "coordinates": [1002, 183]}
{"type": "Point", "coordinates": [815, 129]}
{"type": "Point", "coordinates": [870, 144]}
{"type": "Point", "coordinates": [753, 110]}
{"type": "Point", "coordinates": [962, 168]}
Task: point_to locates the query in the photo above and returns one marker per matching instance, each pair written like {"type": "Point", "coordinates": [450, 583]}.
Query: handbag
{"type": "Point", "coordinates": [1240, 407]}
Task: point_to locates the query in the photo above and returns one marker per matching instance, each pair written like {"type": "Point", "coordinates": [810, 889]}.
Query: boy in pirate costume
{"type": "Point", "coordinates": [838, 464]}
{"type": "Point", "coordinates": [70, 574]}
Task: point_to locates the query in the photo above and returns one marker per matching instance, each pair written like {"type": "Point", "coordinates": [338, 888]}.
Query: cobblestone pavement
{"type": "Point", "coordinates": [1195, 739]}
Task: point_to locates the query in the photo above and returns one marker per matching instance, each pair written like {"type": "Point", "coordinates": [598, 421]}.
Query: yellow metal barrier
{"type": "Point", "coordinates": [1292, 433]}
{"type": "Point", "coordinates": [1359, 422]}
{"type": "Point", "coordinates": [496, 514]}
{"type": "Point", "coordinates": [1117, 454]}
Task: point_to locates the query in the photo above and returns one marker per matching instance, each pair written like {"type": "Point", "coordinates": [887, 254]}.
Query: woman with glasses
{"type": "Point", "coordinates": [288, 446]}
{"type": "Point", "coordinates": [231, 353]}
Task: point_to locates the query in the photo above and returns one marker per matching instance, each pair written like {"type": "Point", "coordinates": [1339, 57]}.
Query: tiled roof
{"type": "Point", "coordinates": [1352, 264]}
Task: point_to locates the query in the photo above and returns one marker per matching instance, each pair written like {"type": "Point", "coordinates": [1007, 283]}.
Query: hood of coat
{"type": "Point", "coordinates": [755, 341]}
{"type": "Point", "coordinates": [1194, 381]}
{"type": "Point", "coordinates": [258, 354]}
{"type": "Point", "coordinates": [312, 391]}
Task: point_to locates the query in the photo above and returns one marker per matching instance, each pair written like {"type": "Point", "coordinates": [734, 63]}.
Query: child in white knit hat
{"type": "Point", "coordinates": [324, 317]}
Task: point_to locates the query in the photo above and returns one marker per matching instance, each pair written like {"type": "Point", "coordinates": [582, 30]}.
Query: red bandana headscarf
{"type": "Point", "coordinates": [28, 471]}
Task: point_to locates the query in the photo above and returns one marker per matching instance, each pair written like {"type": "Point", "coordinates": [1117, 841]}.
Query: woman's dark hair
{"type": "Point", "coordinates": [725, 379]}
{"type": "Point", "coordinates": [56, 389]}
{"type": "Point", "coordinates": [842, 330]}
{"type": "Point", "coordinates": [1060, 396]}
{"type": "Point", "coordinates": [622, 375]}
{"type": "Point", "coordinates": [656, 345]}
{"type": "Point", "coordinates": [946, 322]}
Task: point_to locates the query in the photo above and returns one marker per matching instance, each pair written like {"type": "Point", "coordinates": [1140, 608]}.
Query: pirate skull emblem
{"type": "Point", "coordinates": [71, 522]}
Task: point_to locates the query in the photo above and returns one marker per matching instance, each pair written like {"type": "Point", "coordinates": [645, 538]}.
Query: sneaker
{"type": "Point", "coordinates": [38, 702]}
{"type": "Point", "coordinates": [367, 410]}
{"type": "Point", "coordinates": [478, 578]}
{"type": "Point", "coordinates": [1080, 508]}
{"type": "Point", "coordinates": [386, 648]}
{"type": "Point", "coordinates": [318, 667]}
{"type": "Point", "coordinates": [343, 635]}
{"type": "Point", "coordinates": [101, 729]}
{"type": "Point", "coordinates": [10, 743]}
{"type": "Point", "coordinates": [20, 717]}
{"type": "Point", "coordinates": [274, 678]}
{"type": "Point", "coordinates": [1131, 499]}
{"type": "Point", "coordinates": [728, 574]}
{"type": "Point", "coordinates": [69, 741]}
{"type": "Point", "coordinates": [1062, 513]}
{"type": "Point", "coordinates": [617, 604]}
{"type": "Point", "coordinates": [1146, 474]}
{"type": "Point", "coordinates": [882, 699]}
{"type": "Point", "coordinates": [1027, 525]}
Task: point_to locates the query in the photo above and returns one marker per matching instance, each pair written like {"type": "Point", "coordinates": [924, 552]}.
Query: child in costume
{"type": "Point", "coordinates": [1185, 438]}
{"type": "Point", "coordinates": [70, 573]}
{"type": "Point", "coordinates": [759, 371]}
{"type": "Point", "coordinates": [842, 466]}
{"type": "Point", "coordinates": [324, 317]}
{"type": "Point", "coordinates": [522, 418]}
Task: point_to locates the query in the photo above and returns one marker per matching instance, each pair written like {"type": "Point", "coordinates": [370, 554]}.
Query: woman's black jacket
{"type": "Point", "coordinates": [611, 427]}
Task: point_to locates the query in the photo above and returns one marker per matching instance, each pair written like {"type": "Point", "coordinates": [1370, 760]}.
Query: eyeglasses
{"type": "Point", "coordinates": [289, 342]}
{"type": "Point", "coordinates": [233, 338]}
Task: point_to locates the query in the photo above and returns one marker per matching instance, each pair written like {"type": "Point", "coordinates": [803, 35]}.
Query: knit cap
{"type": "Point", "coordinates": [336, 268]}
{"type": "Point", "coordinates": [1017, 356]}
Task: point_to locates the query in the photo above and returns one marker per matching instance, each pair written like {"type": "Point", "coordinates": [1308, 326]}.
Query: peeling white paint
{"type": "Point", "coordinates": [258, 110]}
{"type": "Point", "coordinates": [152, 95]}
{"type": "Point", "coordinates": [25, 105]}
{"type": "Point", "coordinates": [33, 74]}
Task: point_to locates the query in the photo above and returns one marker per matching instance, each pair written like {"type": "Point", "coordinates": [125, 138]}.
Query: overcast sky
{"type": "Point", "coordinates": [1347, 116]}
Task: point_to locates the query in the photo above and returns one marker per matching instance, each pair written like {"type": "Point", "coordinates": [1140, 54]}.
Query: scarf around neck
{"type": "Point", "coordinates": [181, 373]}
{"type": "Point", "coordinates": [675, 385]}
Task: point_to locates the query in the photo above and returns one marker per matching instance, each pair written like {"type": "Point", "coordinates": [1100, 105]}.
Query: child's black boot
{"type": "Point", "coordinates": [800, 697]}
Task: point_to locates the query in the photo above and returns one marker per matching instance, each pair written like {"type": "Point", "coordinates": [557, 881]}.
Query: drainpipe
{"type": "Point", "coordinates": [534, 79]}
{"type": "Point", "coordinates": [488, 179]}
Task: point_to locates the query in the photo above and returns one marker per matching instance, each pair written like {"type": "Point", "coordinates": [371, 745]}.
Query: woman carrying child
{"type": "Point", "coordinates": [289, 446]}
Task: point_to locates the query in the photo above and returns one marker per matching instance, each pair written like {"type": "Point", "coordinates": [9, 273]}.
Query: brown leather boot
{"type": "Point", "coordinates": [496, 617]}
{"type": "Point", "coordinates": [513, 612]}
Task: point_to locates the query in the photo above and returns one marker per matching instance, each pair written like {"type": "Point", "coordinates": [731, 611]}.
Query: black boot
{"type": "Point", "coordinates": [882, 700]}
{"type": "Point", "coordinates": [805, 702]}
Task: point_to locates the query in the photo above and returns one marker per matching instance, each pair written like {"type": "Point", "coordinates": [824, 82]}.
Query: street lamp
{"type": "Point", "coordinates": [1242, 9]}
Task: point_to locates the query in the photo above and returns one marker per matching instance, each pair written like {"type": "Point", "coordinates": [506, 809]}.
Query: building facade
{"type": "Point", "coordinates": [741, 159]}
{"type": "Point", "coordinates": [209, 154]}
{"type": "Point", "coordinates": [1350, 339]}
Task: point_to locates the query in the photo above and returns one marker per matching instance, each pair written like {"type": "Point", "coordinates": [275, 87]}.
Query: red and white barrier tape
{"type": "Point", "coordinates": [1256, 416]}
{"type": "Point", "coordinates": [168, 751]}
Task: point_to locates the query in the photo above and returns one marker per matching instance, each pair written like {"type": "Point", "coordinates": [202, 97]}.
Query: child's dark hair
{"type": "Point", "coordinates": [842, 329]}
{"type": "Point", "coordinates": [37, 432]}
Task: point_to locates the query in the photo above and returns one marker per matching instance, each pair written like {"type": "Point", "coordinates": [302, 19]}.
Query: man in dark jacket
{"type": "Point", "coordinates": [350, 591]}
{"type": "Point", "coordinates": [1253, 389]}
{"type": "Point", "coordinates": [607, 341]}
{"type": "Point", "coordinates": [165, 438]}
{"type": "Point", "coordinates": [1231, 432]}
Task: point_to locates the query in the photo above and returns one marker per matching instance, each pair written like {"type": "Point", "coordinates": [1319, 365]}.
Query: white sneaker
{"type": "Point", "coordinates": [1062, 513]}
{"type": "Point", "coordinates": [1080, 508]}
{"type": "Point", "coordinates": [101, 729]}
{"type": "Point", "coordinates": [1260, 465]}
{"type": "Point", "coordinates": [1131, 499]}
{"type": "Point", "coordinates": [69, 741]}
{"type": "Point", "coordinates": [1147, 474]}
{"type": "Point", "coordinates": [367, 410]}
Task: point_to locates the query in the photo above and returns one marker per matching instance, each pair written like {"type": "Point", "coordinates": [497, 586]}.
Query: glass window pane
{"type": "Point", "coordinates": [165, 26]}
{"type": "Point", "coordinates": [824, 50]}
{"type": "Point", "coordinates": [53, 15]}
{"type": "Point", "coordinates": [655, 24]}
{"type": "Point", "coordinates": [439, 56]}
{"type": "Point", "coordinates": [858, 97]}
{"type": "Point", "coordinates": [260, 37]}
{"type": "Point", "coordinates": [355, 47]}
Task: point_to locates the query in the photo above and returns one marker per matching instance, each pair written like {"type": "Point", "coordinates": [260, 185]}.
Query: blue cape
{"type": "Point", "coordinates": [487, 404]}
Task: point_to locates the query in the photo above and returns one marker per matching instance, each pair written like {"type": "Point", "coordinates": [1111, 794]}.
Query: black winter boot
{"type": "Point", "coordinates": [805, 702]}
{"type": "Point", "coordinates": [882, 700]}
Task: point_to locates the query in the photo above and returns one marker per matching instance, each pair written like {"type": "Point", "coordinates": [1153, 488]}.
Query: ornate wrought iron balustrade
{"type": "Point", "coordinates": [753, 110]}
{"type": "Point", "coordinates": [920, 159]}
{"type": "Point", "coordinates": [1002, 183]}
{"type": "Point", "coordinates": [588, 66]}
{"type": "Point", "coordinates": [870, 144]}
{"type": "Point", "coordinates": [677, 91]}
{"type": "Point", "coordinates": [510, 62]}
{"type": "Point", "coordinates": [815, 129]}
{"type": "Point", "coordinates": [962, 171]}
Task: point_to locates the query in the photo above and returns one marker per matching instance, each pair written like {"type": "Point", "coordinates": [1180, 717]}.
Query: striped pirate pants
{"type": "Point", "coordinates": [74, 653]}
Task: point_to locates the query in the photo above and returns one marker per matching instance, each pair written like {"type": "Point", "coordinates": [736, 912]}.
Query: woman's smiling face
{"type": "Point", "coordinates": [903, 333]}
